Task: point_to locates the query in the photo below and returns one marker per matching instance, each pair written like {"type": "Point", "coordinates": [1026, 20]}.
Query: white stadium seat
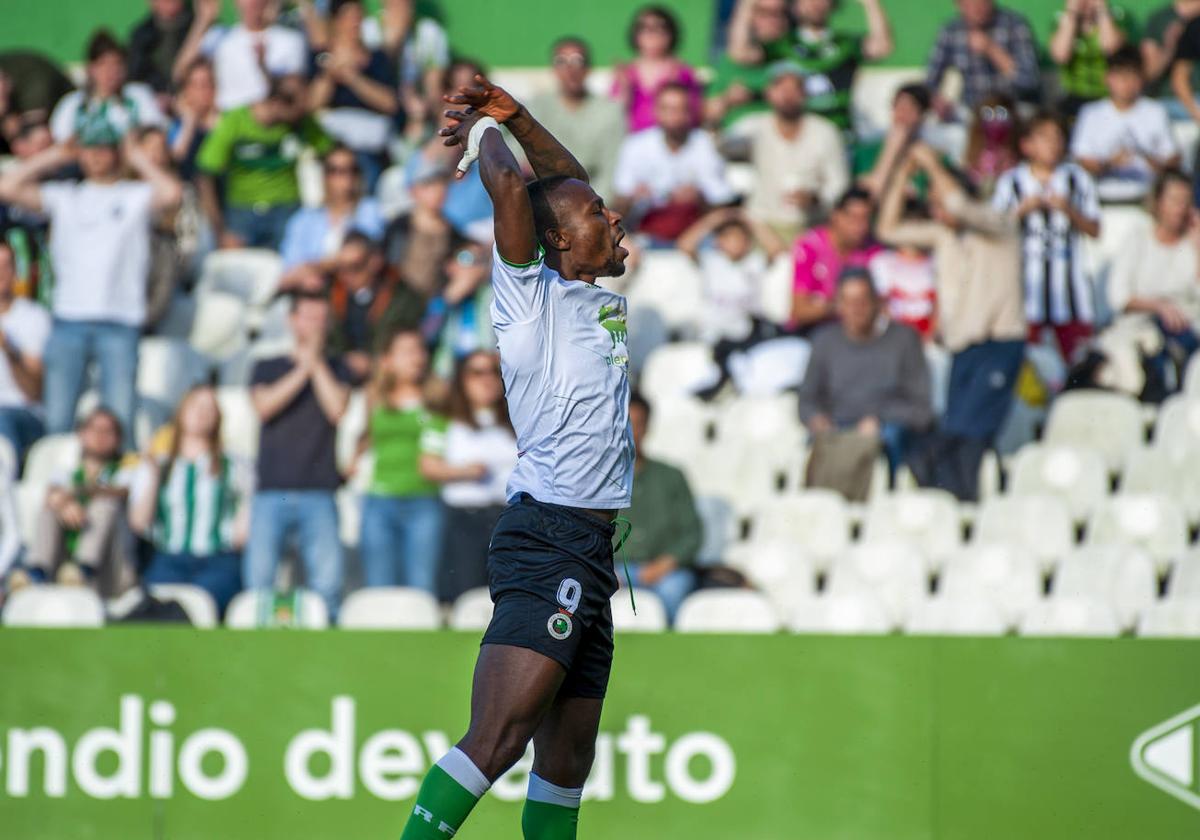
{"type": "Point", "coordinates": [200, 607]}
{"type": "Point", "coordinates": [1077, 476]}
{"type": "Point", "coordinates": [167, 368]}
{"type": "Point", "coordinates": [1170, 471]}
{"type": "Point", "coordinates": [669, 282]}
{"type": "Point", "coordinates": [1172, 618]}
{"type": "Point", "coordinates": [1120, 576]}
{"type": "Point", "coordinates": [651, 615]}
{"type": "Point", "coordinates": [250, 274]}
{"type": "Point", "coordinates": [351, 429]}
{"type": "Point", "coordinates": [1178, 427]}
{"type": "Point", "coordinates": [927, 518]}
{"type": "Point", "coordinates": [952, 616]}
{"type": "Point", "coordinates": [48, 456]}
{"type": "Point", "coordinates": [218, 324]}
{"type": "Point", "coordinates": [1191, 378]}
{"type": "Point", "coordinates": [1040, 525]}
{"type": "Point", "coordinates": [1003, 573]}
{"type": "Point", "coordinates": [1067, 617]}
{"type": "Point", "coordinates": [679, 428]}
{"type": "Point", "coordinates": [1184, 581]}
{"type": "Point", "coordinates": [239, 422]}
{"type": "Point", "coordinates": [894, 572]}
{"type": "Point", "coordinates": [678, 370]}
{"type": "Point", "coordinates": [254, 608]}
{"type": "Point", "coordinates": [727, 611]}
{"type": "Point", "coordinates": [779, 569]}
{"type": "Point", "coordinates": [857, 615]}
{"type": "Point", "coordinates": [390, 608]}
{"type": "Point", "coordinates": [816, 519]}
{"type": "Point", "coordinates": [1108, 422]}
{"type": "Point", "coordinates": [1152, 522]}
{"type": "Point", "coordinates": [54, 606]}
{"type": "Point", "coordinates": [473, 610]}
{"type": "Point", "coordinates": [770, 421]}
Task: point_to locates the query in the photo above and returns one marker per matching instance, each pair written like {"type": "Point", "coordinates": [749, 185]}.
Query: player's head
{"type": "Point", "coordinates": [910, 105]}
{"type": "Point", "coordinates": [786, 92]}
{"type": "Point", "coordinates": [286, 101]}
{"type": "Point", "coordinates": [639, 418]}
{"type": "Point", "coordinates": [733, 238]}
{"type": "Point", "coordinates": [654, 32]}
{"type": "Point", "coordinates": [105, 64]}
{"type": "Point", "coordinates": [100, 434]}
{"type": "Point", "coordinates": [673, 111]}
{"type": "Point", "coordinates": [850, 221]}
{"type": "Point", "coordinates": [814, 13]}
{"type": "Point", "coordinates": [857, 302]}
{"type": "Point", "coordinates": [572, 60]}
{"type": "Point", "coordinates": [1044, 139]}
{"type": "Point", "coordinates": [1172, 199]}
{"type": "Point", "coordinates": [572, 220]}
{"type": "Point", "coordinates": [404, 360]}
{"type": "Point", "coordinates": [1124, 76]}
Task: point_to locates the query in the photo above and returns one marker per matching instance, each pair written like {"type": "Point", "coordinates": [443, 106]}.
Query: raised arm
{"type": "Point", "coordinates": [19, 185]}
{"type": "Point", "coordinates": [206, 14]}
{"type": "Point", "coordinates": [878, 44]}
{"type": "Point", "coordinates": [166, 189]}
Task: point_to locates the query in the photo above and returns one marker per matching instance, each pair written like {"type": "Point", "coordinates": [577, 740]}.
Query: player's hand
{"type": "Point", "coordinates": [487, 99]}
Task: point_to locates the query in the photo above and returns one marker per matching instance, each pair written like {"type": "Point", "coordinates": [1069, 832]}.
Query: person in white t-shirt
{"type": "Point", "coordinates": [1125, 141]}
{"type": "Point", "coordinates": [100, 248]}
{"type": "Point", "coordinates": [107, 98]}
{"type": "Point", "coordinates": [244, 56]}
{"type": "Point", "coordinates": [24, 330]}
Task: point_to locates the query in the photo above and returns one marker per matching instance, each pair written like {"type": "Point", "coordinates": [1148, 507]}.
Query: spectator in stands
{"type": "Point", "coordinates": [458, 320]}
{"type": "Point", "coordinates": [196, 115]}
{"type": "Point", "coordinates": [480, 434]}
{"type": "Point", "coordinates": [419, 242]}
{"type": "Point", "coordinates": [24, 331]}
{"type": "Point", "coordinates": [821, 255]}
{"type": "Point", "coordinates": [175, 238]}
{"type": "Point", "coordinates": [245, 56]}
{"type": "Point", "coordinates": [100, 247]}
{"type": "Point", "coordinates": [907, 284]}
{"type": "Point", "coordinates": [107, 100]}
{"type": "Point", "coordinates": [1056, 204]}
{"type": "Point", "coordinates": [1125, 141]}
{"type": "Point", "coordinates": [667, 176]}
{"type": "Point", "coordinates": [314, 234]}
{"type": "Point", "coordinates": [654, 37]}
{"type": "Point", "coordinates": [831, 59]}
{"type": "Point", "coordinates": [27, 232]}
{"type": "Point", "coordinates": [1087, 34]}
{"type": "Point", "coordinates": [977, 252]}
{"type": "Point", "coordinates": [81, 536]}
{"type": "Point", "coordinates": [403, 518]}
{"type": "Point", "coordinates": [193, 505]}
{"type": "Point", "coordinates": [759, 36]}
{"type": "Point", "coordinates": [799, 158]}
{"type": "Point", "coordinates": [733, 253]}
{"type": "Point", "coordinates": [1160, 40]}
{"type": "Point", "coordinates": [1187, 55]}
{"type": "Point", "coordinates": [590, 126]}
{"type": "Point", "coordinates": [866, 378]}
{"type": "Point", "coordinates": [370, 303]}
{"type": "Point", "coordinates": [994, 49]}
{"type": "Point", "coordinates": [994, 142]}
{"type": "Point", "coordinates": [466, 206]}
{"type": "Point", "coordinates": [1156, 278]}
{"type": "Point", "coordinates": [355, 89]}
{"type": "Point", "coordinates": [255, 149]}
{"type": "Point", "coordinates": [299, 399]}
{"type": "Point", "coordinates": [155, 42]}
{"type": "Point", "coordinates": [666, 532]}
{"type": "Point", "coordinates": [875, 162]}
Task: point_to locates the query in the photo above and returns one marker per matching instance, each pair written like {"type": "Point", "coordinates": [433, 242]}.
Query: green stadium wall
{"type": "Point", "coordinates": [294, 735]}
{"type": "Point", "coordinates": [516, 33]}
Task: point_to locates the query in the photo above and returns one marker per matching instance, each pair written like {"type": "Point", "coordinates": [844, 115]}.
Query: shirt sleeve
{"type": "Point", "coordinates": [520, 291]}
{"type": "Point", "coordinates": [293, 246]}
{"type": "Point", "coordinates": [1162, 140]}
{"type": "Point", "coordinates": [315, 136]}
{"type": "Point", "coordinates": [54, 195]}
{"type": "Point", "coordinates": [433, 437]}
{"type": "Point", "coordinates": [37, 334]}
{"type": "Point", "coordinates": [211, 40]}
{"type": "Point", "coordinates": [711, 174]}
{"type": "Point", "coordinates": [1087, 198]}
{"type": "Point", "coordinates": [148, 112]}
{"type": "Point", "coordinates": [1005, 199]}
{"type": "Point", "coordinates": [217, 149]}
{"type": "Point", "coordinates": [62, 120]}
{"type": "Point", "coordinates": [912, 404]}
{"type": "Point", "coordinates": [1083, 139]}
{"type": "Point", "coordinates": [804, 260]}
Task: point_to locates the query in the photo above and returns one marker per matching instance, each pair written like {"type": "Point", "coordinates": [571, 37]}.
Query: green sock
{"type": "Point", "coordinates": [446, 798]}
{"type": "Point", "coordinates": [551, 812]}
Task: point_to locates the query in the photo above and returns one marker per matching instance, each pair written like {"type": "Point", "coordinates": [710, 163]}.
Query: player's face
{"type": "Point", "coordinates": [813, 12]}
{"type": "Point", "coordinates": [1124, 85]}
{"type": "Point", "coordinates": [595, 233]}
{"type": "Point", "coordinates": [856, 306]}
{"type": "Point", "coordinates": [787, 97]}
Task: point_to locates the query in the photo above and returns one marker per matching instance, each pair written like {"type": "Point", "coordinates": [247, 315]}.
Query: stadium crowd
{"type": "Point", "coordinates": [941, 278]}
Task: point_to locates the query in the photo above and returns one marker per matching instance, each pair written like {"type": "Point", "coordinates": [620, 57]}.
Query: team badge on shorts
{"type": "Point", "coordinates": [560, 625]}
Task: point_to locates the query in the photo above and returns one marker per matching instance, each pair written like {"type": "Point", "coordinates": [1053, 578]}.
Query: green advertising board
{"type": "Point", "coordinates": [174, 734]}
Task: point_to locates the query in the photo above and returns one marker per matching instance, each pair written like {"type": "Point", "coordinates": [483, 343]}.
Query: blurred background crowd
{"type": "Point", "coordinates": [244, 305]}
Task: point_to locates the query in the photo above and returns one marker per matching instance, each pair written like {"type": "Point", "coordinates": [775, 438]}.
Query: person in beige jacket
{"type": "Point", "coordinates": [977, 252]}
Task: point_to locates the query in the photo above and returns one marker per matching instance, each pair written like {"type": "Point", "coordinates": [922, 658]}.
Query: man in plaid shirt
{"type": "Point", "coordinates": [993, 48]}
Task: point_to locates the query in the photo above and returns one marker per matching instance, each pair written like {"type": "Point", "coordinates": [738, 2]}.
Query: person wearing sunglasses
{"type": "Point", "coordinates": [654, 37]}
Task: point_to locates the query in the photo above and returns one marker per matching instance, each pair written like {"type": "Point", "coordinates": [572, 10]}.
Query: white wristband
{"type": "Point", "coordinates": [473, 141]}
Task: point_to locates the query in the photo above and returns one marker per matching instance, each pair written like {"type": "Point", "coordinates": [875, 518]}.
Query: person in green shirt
{"type": "Point", "coordinates": [1086, 34]}
{"type": "Point", "coordinates": [759, 36]}
{"type": "Point", "coordinates": [666, 531]}
{"type": "Point", "coordinates": [254, 149]}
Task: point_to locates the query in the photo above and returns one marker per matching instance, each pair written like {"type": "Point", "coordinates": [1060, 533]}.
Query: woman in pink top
{"type": "Point", "coordinates": [654, 36]}
{"type": "Point", "coordinates": [824, 252]}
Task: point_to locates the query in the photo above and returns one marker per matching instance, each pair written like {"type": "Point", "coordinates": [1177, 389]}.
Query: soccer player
{"type": "Point", "coordinates": [544, 663]}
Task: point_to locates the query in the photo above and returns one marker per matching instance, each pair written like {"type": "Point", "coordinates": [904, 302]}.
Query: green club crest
{"type": "Point", "coordinates": [612, 318]}
{"type": "Point", "coordinates": [560, 625]}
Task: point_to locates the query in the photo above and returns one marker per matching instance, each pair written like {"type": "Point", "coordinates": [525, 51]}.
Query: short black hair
{"type": "Point", "coordinates": [102, 43]}
{"type": "Point", "coordinates": [1127, 57]}
{"type": "Point", "coordinates": [852, 195]}
{"type": "Point", "coordinates": [356, 236]}
{"type": "Point", "coordinates": [277, 84]}
{"type": "Point", "coordinates": [1168, 177]}
{"type": "Point", "coordinates": [542, 196]}
{"type": "Point", "coordinates": [662, 13]}
{"type": "Point", "coordinates": [573, 41]}
{"type": "Point", "coordinates": [918, 93]}
{"type": "Point", "coordinates": [636, 399]}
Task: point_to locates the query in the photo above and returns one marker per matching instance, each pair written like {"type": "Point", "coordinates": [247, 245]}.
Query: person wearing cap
{"type": "Point", "coordinates": [255, 148]}
{"type": "Point", "coordinates": [867, 375]}
{"type": "Point", "coordinates": [420, 241]}
{"type": "Point", "coordinates": [100, 232]}
{"type": "Point", "coordinates": [799, 159]}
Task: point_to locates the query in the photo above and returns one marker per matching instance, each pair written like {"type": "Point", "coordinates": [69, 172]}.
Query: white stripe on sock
{"type": "Point", "coordinates": [459, 767]}
{"type": "Point", "coordinates": [542, 791]}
